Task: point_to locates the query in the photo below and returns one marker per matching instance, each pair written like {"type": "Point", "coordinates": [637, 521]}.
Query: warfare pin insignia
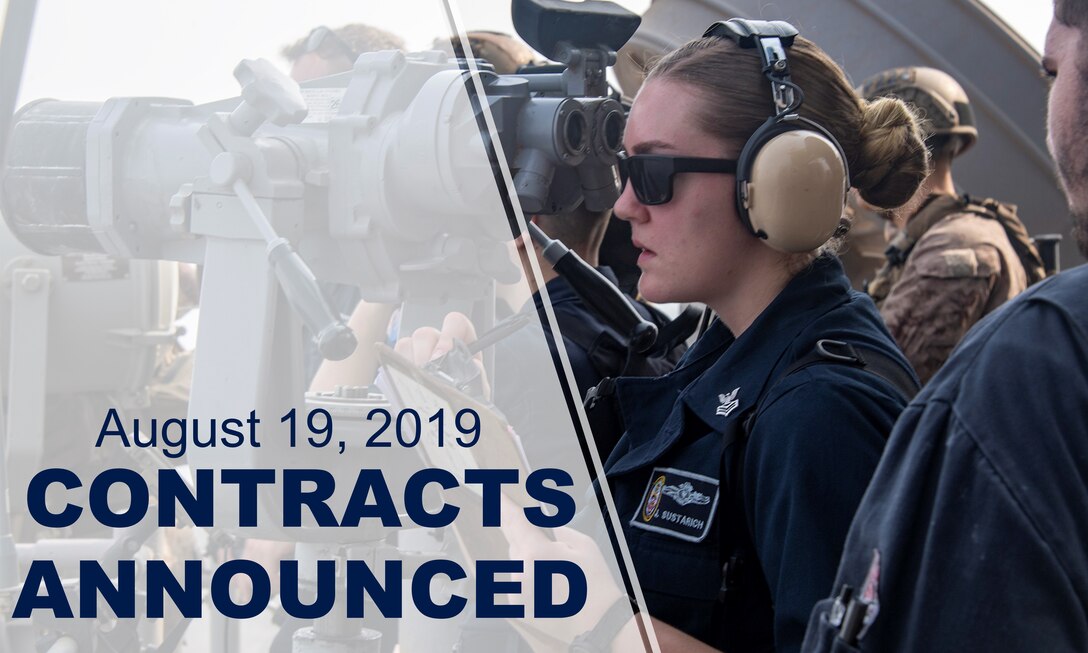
{"type": "Point", "coordinates": [678, 503]}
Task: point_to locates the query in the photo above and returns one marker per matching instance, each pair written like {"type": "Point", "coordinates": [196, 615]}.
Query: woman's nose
{"type": "Point", "coordinates": [628, 207]}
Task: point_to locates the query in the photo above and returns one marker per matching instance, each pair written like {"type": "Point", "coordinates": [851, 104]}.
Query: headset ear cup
{"type": "Point", "coordinates": [744, 169]}
{"type": "Point", "coordinates": [792, 180]}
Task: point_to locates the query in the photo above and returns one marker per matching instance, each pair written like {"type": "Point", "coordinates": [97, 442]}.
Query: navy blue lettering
{"type": "Point", "coordinates": [247, 481]}
{"type": "Point", "coordinates": [221, 598]}
{"type": "Point", "coordinates": [488, 587]}
{"type": "Point", "coordinates": [35, 498]}
{"type": "Point", "coordinates": [492, 481]}
{"type": "Point", "coordinates": [182, 440]}
{"type": "Point", "coordinates": [95, 582]}
{"type": "Point", "coordinates": [253, 421]}
{"type": "Point", "coordinates": [421, 589]}
{"type": "Point", "coordinates": [149, 439]}
{"type": "Point", "coordinates": [42, 571]}
{"type": "Point", "coordinates": [413, 498]}
{"type": "Point", "coordinates": [210, 442]}
{"type": "Point", "coordinates": [383, 506]}
{"type": "Point", "coordinates": [117, 431]}
{"type": "Point", "coordinates": [98, 499]}
{"type": "Point", "coordinates": [325, 592]}
{"type": "Point", "coordinates": [294, 497]}
{"type": "Point", "coordinates": [186, 595]}
{"type": "Point", "coordinates": [230, 429]}
{"type": "Point", "coordinates": [565, 507]}
{"type": "Point", "coordinates": [544, 572]}
{"type": "Point", "coordinates": [361, 583]}
{"type": "Point", "coordinates": [199, 505]}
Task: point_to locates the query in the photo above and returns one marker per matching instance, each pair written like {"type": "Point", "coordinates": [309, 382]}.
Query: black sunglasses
{"type": "Point", "coordinates": [321, 35]}
{"type": "Point", "coordinates": [651, 174]}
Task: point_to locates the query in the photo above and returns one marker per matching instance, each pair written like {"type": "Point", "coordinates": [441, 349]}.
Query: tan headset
{"type": "Point", "coordinates": [792, 176]}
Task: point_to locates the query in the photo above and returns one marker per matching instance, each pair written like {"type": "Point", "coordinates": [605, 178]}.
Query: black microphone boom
{"type": "Point", "coordinates": [597, 292]}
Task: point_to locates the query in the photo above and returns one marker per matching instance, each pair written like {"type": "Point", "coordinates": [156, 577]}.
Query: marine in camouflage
{"type": "Point", "coordinates": [948, 268]}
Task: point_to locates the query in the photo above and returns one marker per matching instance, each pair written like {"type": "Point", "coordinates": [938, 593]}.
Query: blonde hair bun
{"type": "Point", "coordinates": [892, 158]}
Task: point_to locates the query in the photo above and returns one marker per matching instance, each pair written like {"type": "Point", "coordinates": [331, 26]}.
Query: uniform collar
{"type": "Point", "coordinates": [935, 208]}
{"type": "Point", "coordinates": [652, 413]}
{"type": "Point", "coordinates": [732, 385]}
{"type": "Point", "coordinates": [721, 378]}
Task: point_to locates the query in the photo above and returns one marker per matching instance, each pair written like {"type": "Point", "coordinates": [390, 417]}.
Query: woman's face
{"type": "Point", "coordinates": [692, 244]}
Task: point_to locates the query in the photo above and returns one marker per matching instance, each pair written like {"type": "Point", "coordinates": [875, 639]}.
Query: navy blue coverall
{"type": "Point", "coordinates": [569, 308]}
{"type": "Point", "coordinates": [815, 442]}
{"type": "Point", "coordinates": [974, 534]}
{"type": "Point", "coordinates": [595, 353]}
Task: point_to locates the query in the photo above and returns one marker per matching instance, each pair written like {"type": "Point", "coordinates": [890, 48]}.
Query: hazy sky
{"type": "Point", "coordinates": [93, 50]}
{"type": "Point", "coordinates": [1029, 17]}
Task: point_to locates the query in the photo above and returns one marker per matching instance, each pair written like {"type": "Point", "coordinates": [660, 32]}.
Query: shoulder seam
{"type": "Point", "coordinates": [1069, 317]}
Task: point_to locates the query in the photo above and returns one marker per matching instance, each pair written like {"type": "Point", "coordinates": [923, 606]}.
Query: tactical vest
{"type": "Point", "coordinates": [938, 207]}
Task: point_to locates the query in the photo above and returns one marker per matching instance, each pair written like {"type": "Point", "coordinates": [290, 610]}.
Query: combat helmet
{"type": "Point", "coordinates": [942, 105]}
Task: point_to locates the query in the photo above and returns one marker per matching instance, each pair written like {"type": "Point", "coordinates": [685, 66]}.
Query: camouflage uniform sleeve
{"type": "Point", "coordinates": [944, 289]}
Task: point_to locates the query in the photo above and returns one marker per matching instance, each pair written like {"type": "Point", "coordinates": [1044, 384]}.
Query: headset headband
{"type": "Point", "coordinates": [792, 175]}
{"type": "Point", "coordinates": [772, 39]}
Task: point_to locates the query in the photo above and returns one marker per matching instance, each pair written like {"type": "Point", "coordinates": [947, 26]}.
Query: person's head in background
{"type": "Point", "coordinates": [580, 229]}
{"type": "Point", "coordinates": [1065, 60]}
{"type": "Point", "coordinates": [946, 118]}
{"type": "Point", "coordinates": [706, 99]}
{"type": "Point", "coordinates": [326, 51]}
{"type": "Point", "coordinates": [504, 52]}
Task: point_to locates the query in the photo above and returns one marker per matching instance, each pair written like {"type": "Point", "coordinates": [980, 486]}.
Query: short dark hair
{"type": "Point", "coordinates": [579, 228]}
{"type": "Point", "coordinates": [504, 52]}
{"type": "Point", "coordinates": [1073, 13]}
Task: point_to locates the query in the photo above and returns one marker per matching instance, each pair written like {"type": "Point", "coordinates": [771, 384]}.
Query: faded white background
{"type": "Point", "coordinates": [78, 50]}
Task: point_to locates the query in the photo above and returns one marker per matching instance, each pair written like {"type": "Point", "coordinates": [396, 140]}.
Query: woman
{"type": "Point", "coordinates": [784, 507]}
{"type": "Point", "coordinates": [738, 475]}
